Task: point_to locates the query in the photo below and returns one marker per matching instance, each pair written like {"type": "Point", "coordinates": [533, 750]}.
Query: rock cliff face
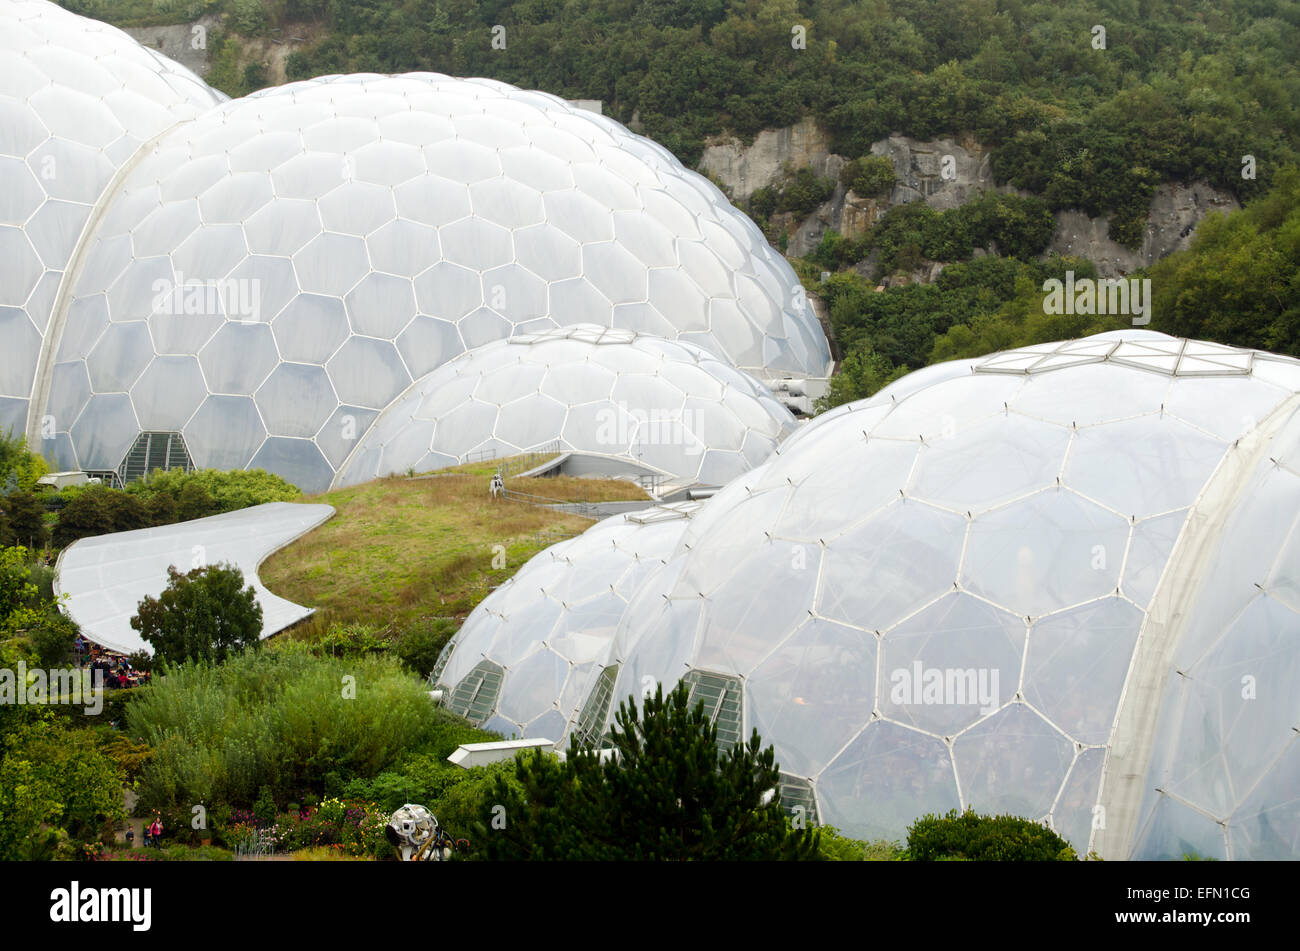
{"type": "Point", "coordinates": [189, 45]}
{"type": "Point", "coordinates": [185, 43]}
{"type": "Point", "coordinates": [943, 173]}
{"type": "Point", "coordinates": [1176, 210]}
{"type": "Point", "coordinates": [746, 168]}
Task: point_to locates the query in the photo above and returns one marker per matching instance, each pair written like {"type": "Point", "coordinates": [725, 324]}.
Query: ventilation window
{"type": "Point", "coordinates": [440, 664]}
{"type": "Point", "coordinates": [591, 721]}
{"type": "Point", "coordinates": [475, 697]}
{"type": "Point", "coordinates": [721, 696]}
{"type": "Point", "coordinates": [796, 794]}
{"type": "Point", "coordinates": [154, 451]}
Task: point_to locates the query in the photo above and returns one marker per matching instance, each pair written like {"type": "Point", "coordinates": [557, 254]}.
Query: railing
{"type": "Point", "coordinates": [520, 462]}
{"type": "Point", "coordinates": [579, 508]}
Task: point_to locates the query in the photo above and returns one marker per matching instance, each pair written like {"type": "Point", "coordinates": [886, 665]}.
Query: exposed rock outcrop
{"type": "Point", "coordinates": [944, 173]}
{"type": "Point", "coordinates": [743, 169]}
{"type": "Point", "coordinates": [1176, 210]}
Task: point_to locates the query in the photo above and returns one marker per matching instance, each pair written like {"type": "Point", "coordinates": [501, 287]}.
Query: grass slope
{"type": "Point", "coordinates": [402, 549]}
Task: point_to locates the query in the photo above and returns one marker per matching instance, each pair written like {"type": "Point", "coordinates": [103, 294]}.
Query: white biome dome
{"type": "Point", "coordinates": [651, 405]}
{"type": "Point", "coordinates": [521, 660]}
{"type": "Point", "coordinates": [78, 98]}
{"type": "Point", "coordinates": [274, 273]}
{"type": "Point", "coordinates": [989, 590]}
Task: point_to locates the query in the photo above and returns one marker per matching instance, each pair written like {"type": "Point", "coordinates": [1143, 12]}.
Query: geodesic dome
{"type": "Point", "coordinates": [665, 405]}
{"type": "Point", "coordinates": [520, 661]}
{"type": "Point", "coordinates": [78, 98]}
{"type": "Point", "coordinates": [1033, 585]}
{"type": "Point", "coordinates": [269, 276]}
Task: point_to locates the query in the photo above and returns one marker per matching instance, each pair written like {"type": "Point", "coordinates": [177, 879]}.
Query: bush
{"type": "Point", "coordinates": [206, 613]}
{"type": "Point", "coordinates": [420, 644]}
{"type": "Point", "coordinates": [350, 640]}
{"type": "Point", "coordinates": [22, 521]}
{"type": "Point", "coordinates": [283, 719]}
{"type": "Point", "coordinates": [669, 795]}
{"type": "Point", "coordinates": [203, 492]}
{"type": "Point", "coordinates": [56, 786]}
{"type": "Point", "coordinates": [869, 177]}
{"type": "Point", "coordinates": [970, 837]}
{"type": "Point", "coordinates": [53, 638]}
{"type": "Point", "coordinates": [20, 603]}
{"type": "Point", "coordinates": [840, 848]}
{"type": "Point", "coordinates": [19, 467]}
{"type": "Point", "coordinates": [98, 510]}
{"type": "Point", "coordinates": [799, 192]}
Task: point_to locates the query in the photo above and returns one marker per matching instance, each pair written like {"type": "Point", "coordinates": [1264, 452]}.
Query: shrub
{"type": "Point", "coordinates": [350, 640]}
{"type": "Point", "coordinates": [970, 837]}
{"type": "Point", "coordinates": [420, 644]}
{"type": "Point", "coordinates": [203, 492]}
{"type": "Point", "coordinates": [870, 176]}
{"type": "Point", "coordinates": [56, 785]}
{"type": "Point", "coordinates": [22, 521]}
{"type": "Point", "coordinates": [19, 467]}
{"type": "Point", "coordinates": [52, 638]}
{"type": "Point", "coordinates": [205, 613]}
{"type": "Point", "coordinates": [20, 603]}
{"type": "Point", "coordinates": [840, 848]}
{"type": "Point", "coordinates": [283, 719]}
{"type": "Point", "coordinates": [98, 510]}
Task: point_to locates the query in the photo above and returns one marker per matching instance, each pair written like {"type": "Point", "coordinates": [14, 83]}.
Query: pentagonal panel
{"type": "Point", "coordinates": [1013, 763]}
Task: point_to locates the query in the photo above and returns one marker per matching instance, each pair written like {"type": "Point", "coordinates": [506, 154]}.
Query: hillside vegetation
{"type": "Point", "coordinates": [1181, 90]}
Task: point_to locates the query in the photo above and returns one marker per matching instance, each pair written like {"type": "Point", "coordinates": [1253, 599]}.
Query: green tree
{"type": "Point", "coordinates": [206, 613]}
{"type": "Point", "coordinates": [55, 783]}
{"type": "Point", "coordinates": [20, 601]}
{"type": "Point", "coordinates": [19, 467]}
{"type": "Point", "coordinates": [22, 521]}
{"type": "Point", "coordinates": [669, 794]}
{"type": "Point", "coordinates": [860, 375]}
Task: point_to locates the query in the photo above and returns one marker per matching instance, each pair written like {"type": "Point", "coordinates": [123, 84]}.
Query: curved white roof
{"type": "Point", "coordinates": [539, 636]}
{"type": "Point", "coordinates": [275, 272]}
{"type": "Point", "coordinates": [989, 590]}
{"type": "Point", "coordinates": [107, 576]}
{"type": "Point", "coordinates": [661, 404]}
{"type": "Point", "coordinates": [78, 98]}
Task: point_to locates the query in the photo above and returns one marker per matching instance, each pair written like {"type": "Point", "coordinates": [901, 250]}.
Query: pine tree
{"type": "Point", "coordinates": [668, 795]}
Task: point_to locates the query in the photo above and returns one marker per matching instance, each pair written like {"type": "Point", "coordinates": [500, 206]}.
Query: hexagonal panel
{"type": "Point", "coordinates": [295, 400]}
{"type": "Point", "coordinates": [1047, 552]}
